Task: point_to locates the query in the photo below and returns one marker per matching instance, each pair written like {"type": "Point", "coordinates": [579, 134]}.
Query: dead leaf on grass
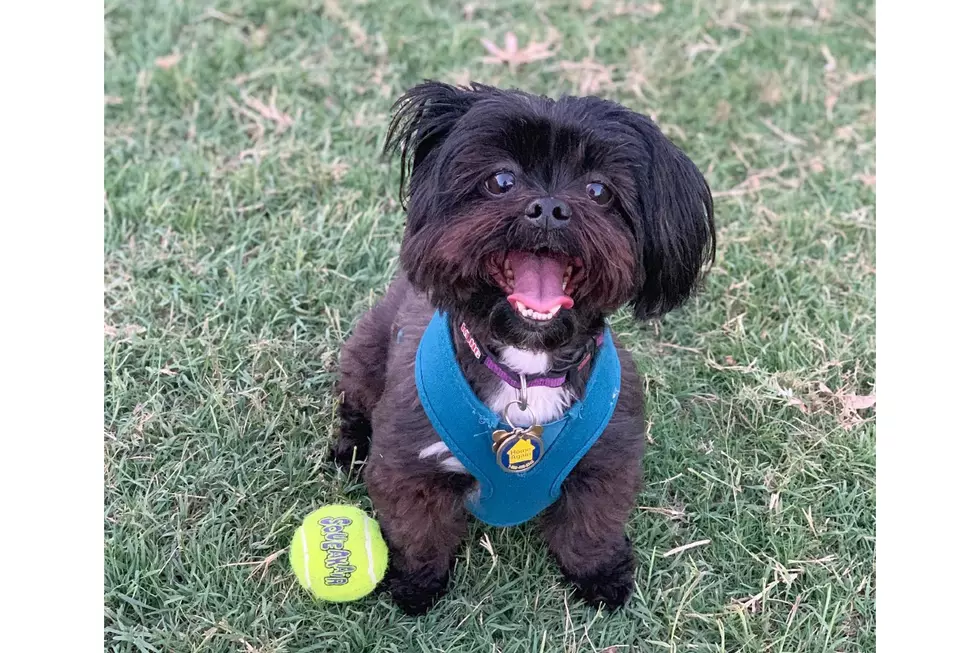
{"type": "Point", "coordinates": [337, 170]}
{"type": "Point", "coordinates": [859, 402]}
{"type": "Point", "coordinates": [633, 9]}
{"type": "Point", "coordinates": [590, 76]}
{"type": "Point", "coordinates": [707, 44]}
{"type": "Point", "coordinates": [846, 133]}
{"type": "Point", "coordinates": [259, 567]}
{"type": "Point", "coordinates": [825, 9]}
{"type": "Point", "coordinates": [866, 179]}
{"type": "Point", "coordinates": [796, 401]}
{"type": "Point", "coordinates": [513, 55]}
{"type": "Point", "coordinates": [753, 182]}
{"type": "Point", "coordinates": [840, 403]}
{"type": "Point", "coordinates": [355, 31]}
{"type": "Point", "coordinates": [723, 111]}
{"type": "Point", "coordinates": [259, 37]}
{"type": "Point", "coordinates": [141, 416]}
{"type": "Point", "coordinates": [169, 61]}
{"type": "Point", "coordinates": [269, 110]}
{"type": "Point", "coordinates": [836, 81]}
{"type": "Point", "coordinates": [256, 111]}
{"type": "Point", "coordinates": [127, 331]}
{"type": "Point", "coordinates": [771, 91]}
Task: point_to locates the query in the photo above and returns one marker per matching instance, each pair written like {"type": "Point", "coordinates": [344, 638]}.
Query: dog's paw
{"type": "Point", "coordinates": [415, 593]}
{"type": "Point", "coordinates": [353, 442]}
{"type": "Point", "coordinates": [611, 584]}
{"type": "Point", "coordinates": [345, 452]}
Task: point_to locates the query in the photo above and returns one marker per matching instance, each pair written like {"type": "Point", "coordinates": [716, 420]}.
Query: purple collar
{"type": "Point", "coordinates": [532, 380]}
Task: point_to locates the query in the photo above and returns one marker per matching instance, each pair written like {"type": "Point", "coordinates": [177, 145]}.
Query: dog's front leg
{"type": "Point", "coordinates": [423, 522]}
{"type": "Point", "coordinates": [585, 530]}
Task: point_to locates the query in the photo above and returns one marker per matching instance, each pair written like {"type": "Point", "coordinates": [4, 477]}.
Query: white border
{"type": "Point", "coordinates": [51, 264]}
{"type": "Point", "coordinates": [927, 214]}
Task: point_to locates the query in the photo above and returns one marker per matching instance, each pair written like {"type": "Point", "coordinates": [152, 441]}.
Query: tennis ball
{"type": "Point", "coordinates": [338, 553]}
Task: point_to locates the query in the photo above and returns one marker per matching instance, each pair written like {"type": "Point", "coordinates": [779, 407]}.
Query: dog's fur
{"type": "Point", "coordinates": [648, 248]}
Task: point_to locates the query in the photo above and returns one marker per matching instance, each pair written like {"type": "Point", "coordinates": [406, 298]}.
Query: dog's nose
{"type": "Point", "coordinates": [548, 212]}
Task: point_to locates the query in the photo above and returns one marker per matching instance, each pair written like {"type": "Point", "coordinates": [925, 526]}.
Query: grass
{"type": "Point", "coordinates": [249, 220]}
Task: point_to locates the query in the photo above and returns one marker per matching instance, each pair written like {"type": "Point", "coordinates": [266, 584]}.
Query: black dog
{"type": "Point", "coordinates": [530, 220]}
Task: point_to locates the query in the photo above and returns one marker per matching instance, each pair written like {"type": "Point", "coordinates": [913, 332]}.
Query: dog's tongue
{"type": "Point", "coordinates": [537, 282]}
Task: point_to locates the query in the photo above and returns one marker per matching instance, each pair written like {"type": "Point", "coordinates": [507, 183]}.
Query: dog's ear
{"type": "Point", "coordinates": [676, 230]}
{"type": "Point", "coordinates": [422, 118]}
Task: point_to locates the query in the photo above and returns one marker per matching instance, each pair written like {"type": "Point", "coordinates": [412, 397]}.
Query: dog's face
{"type": "Point", "coordinates": [537, 218]}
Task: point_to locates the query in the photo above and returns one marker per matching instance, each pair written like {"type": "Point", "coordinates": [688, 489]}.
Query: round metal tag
{"type": "Point", "coordinates": [520, 452]}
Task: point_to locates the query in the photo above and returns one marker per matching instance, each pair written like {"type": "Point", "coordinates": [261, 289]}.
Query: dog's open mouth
{"type": "Point", "coordinates": [537, 285]}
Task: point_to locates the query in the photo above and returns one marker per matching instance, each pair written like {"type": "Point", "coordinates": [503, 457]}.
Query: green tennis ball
{"type": "Point", "coordinates": [338, 553]}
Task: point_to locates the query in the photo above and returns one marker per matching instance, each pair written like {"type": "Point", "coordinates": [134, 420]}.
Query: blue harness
{"type": "Point", "coordinates": [465, 424]}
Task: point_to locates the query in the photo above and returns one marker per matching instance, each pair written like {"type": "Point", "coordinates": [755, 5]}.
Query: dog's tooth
{"type": "Point", "coordinates": [521, 307]}
{"type": "Point", "coordinates": [564, 284]}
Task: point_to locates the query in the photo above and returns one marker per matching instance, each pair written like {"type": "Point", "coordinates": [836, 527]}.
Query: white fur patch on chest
{"type": "Point", "coordinates": [547, 404]}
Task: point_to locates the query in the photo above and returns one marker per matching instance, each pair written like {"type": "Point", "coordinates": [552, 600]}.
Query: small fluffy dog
{"type": "Point", "coordinates": [529, 221]}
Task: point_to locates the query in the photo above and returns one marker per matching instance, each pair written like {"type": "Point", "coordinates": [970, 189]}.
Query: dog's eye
{"type": "Point", "coordinates": [598, 193]}
{"type": "Point", "coordinates": [501, 182]}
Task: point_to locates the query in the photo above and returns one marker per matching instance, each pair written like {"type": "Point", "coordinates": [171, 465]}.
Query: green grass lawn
{"type": "Point", "coordinates": [249, 220]}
